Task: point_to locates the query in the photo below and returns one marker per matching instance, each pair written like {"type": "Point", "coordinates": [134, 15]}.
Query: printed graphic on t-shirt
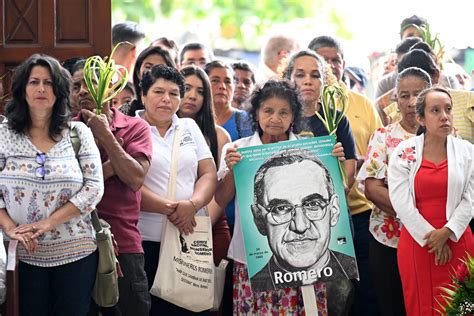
{"type": "Point", "coordinates": [186, 139]}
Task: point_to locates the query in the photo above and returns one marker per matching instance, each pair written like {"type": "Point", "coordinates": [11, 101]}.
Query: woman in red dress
{"type": "Point", "coordinates": [431, 183]}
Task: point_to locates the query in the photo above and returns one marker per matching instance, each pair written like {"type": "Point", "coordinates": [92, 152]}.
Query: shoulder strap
{"type": "Point", "coordinates": [237, 123]}
{"type": "Point", "coordinates": [75, 140]}
{"type": "Point", "coordinates": [171, 194]}
{"type": "Point", "coordinates": [76, 145]}
{"type": "Point", "coordinates": [174, 164]}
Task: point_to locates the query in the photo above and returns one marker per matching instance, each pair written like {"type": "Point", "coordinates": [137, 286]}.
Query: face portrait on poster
{"type": "Point", "coordinates": [294, 216]}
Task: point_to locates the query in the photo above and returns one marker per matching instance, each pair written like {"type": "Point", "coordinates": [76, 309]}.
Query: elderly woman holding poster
{"type": "Point", "coordinates": [276, 112]}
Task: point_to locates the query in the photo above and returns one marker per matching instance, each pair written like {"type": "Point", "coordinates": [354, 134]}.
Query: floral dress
{"type": "Point", "coordinates": [287, 301]}
{"type": "Point", "coordinates": [384, 227]}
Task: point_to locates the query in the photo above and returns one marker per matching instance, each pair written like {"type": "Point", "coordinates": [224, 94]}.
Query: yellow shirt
{"type": "Point", "coordinates": [364, 121]}
{"type": "Point", "coordinates": [463, 113]}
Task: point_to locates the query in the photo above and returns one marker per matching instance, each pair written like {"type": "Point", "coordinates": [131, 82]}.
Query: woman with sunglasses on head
{"type": "Point", "coordinates": [310, 73]}
{"type": "Point", "coordinates": [47, 194]}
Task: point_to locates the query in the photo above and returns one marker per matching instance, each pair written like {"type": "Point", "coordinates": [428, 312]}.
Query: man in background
{"type": "Point", "coordinates": [169, 45]}
{"type": "Point", "coordinates": [244, 81]}
{"type": "Point", "coordinates": [408, 26]}
{"type": "Point", "coordinates": [195, 54]}
{"type": "Point", "coordinates": [273, 57]}
{"type": "Point", "coordinates": [126, 54]}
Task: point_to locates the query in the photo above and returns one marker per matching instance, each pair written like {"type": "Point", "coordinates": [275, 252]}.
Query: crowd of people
{"type": "Point", "coordinates": [407, 155]}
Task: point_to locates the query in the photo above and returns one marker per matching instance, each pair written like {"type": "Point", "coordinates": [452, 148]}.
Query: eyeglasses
{"type": "Point", "coordinates": [40, 159]}
{"type": "Point", "coordinates": [314, 210]}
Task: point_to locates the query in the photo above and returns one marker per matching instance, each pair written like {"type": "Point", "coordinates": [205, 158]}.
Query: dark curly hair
{"type": "Point", "coordinates": [281, 88]}
{"type": "Point", "coordinates": [162, 72]}
{"type": "Point", "coordinates": [17, 110]}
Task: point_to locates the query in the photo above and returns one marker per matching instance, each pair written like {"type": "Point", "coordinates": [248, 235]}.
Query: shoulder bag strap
{"type": "Point", "coordinates": [75, 140]}
{"type": "Point", "coordinates": [171, 194]}
{"type": "Point", "coordinates": [76, 145]}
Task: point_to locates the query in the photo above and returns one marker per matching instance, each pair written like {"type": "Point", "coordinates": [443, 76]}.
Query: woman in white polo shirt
{"type": "Point", "coordinates": [162, 89]}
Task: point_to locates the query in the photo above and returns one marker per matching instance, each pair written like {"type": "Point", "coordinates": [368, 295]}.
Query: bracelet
{"type": "Point", "coordinates": [194, 205]}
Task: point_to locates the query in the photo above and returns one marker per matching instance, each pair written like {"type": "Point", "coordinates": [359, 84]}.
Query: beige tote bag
{"type": "Point", "coordinates": [185, 274]}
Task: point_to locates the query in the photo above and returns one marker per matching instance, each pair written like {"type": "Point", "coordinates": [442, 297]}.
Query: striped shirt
{"type": "Point", "coordinates": [463, 113]}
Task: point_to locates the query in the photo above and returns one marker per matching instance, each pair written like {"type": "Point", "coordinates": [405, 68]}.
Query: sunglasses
{"type": "Point", "coordinates": [40, 159]}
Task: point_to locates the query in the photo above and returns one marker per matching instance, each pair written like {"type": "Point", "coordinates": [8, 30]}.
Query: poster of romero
{"type": "Point", "coordinates": [294, 215]}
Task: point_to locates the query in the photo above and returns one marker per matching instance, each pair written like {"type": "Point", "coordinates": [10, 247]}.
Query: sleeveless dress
{"type": "Point", "coordinates": [421, 278]}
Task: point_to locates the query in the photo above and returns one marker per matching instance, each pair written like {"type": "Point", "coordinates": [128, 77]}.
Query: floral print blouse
{"type": "Point", "coordinates": [31, 189]}
{"type": "Point", "coordinates": [384, 227]}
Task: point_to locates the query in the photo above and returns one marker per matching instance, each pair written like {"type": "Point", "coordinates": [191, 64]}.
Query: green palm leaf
{"type": "Point", "coordinates": [104, 78]}
{"type": "Point", "coordinates": [333, 98]}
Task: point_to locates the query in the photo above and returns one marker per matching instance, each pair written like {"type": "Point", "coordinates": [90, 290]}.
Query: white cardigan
{"type": "Point", "coordinates": [403, 166]}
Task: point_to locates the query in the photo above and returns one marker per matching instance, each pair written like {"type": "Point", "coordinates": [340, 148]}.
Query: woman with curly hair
{"type": "Point", "coordinates": [162, 90]}
{"type": "Point", "coordinates": [309, 73]}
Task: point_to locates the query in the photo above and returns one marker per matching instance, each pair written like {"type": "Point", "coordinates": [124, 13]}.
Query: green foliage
{"type": "Point", "coordinates": [236, 17]}
{"type": "Point", "coordinates": [99, 75]}
{"type": "Point", "coordinates": [132, 10]}
{"type": "Point", "coordinates": [433, 42]}
{"type": "Point", "coordinates": [457, 298]}
{"type": "Point", "coordinates": [333, 97]}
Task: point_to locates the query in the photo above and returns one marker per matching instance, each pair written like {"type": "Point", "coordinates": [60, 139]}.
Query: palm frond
{"type": "Point", "coordinates": [104, 78]}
